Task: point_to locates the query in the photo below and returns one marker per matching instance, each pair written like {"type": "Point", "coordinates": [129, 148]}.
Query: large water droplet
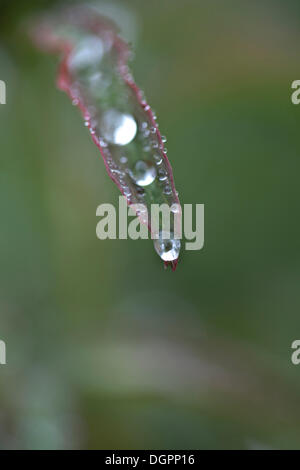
{"type": "Point", "coordinates": [89, 52]}
{"type": "Point", "coordinates": [118, 128]}
{"type": "Point", "coordinates": [167, 247]}
{"type": "Point", "coordinates": [144, 173]}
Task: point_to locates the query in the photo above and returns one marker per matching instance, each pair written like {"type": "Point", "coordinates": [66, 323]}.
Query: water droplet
{"type": "Point", "coordinates": [163, 138]}
{"type": "Point", "coordinates": [89, 52]}
{"type": "Point", "coordinates": [126, 191]}
{"type": "Point", "coordinates": [118, 128]}
{"type": "Point", "coordinates": [123, 159]}
{"type": "Point", "coordinates": [144, 173]}
{"type": "Point", "coordinates": [162, 173]}
{"type": "Point", "coordinates": [102, 143]}
{"type": "Point", "coordinates": [167, 190]}
{"type": "Point", "coordinates": [176, 208]}
{"type": "Point", "coordinates": [157, 158]}
{"type": "Point", "coordinates": [167, 247]}
{"type": "Point", "coordinates": [116, 171]}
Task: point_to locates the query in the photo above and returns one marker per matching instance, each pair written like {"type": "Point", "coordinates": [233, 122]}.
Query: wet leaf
{"type": "Point", "coordinates": [94, 73]}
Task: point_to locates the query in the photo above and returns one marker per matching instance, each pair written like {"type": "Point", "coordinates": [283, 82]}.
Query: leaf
{"type": "Point", "coordinates": [94, 73]}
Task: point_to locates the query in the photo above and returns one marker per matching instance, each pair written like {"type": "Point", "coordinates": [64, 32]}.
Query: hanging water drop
{"type": "Point", "coordinates": [167, 247]}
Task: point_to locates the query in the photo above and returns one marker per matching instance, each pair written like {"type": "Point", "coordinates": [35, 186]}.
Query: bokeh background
{"type": "Point", "coordinates": [105, 349]}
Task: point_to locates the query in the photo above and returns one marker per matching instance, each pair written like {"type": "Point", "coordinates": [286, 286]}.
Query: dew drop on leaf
{"type": "Point", "coordinates": [88, 53]}
{"type": "Point", "coordinates": [144, 173]}
{"type": "Point", "coordinates": [167, 247]}
{"type": "Point", "coordinates": [94, 73]}
{"type": "Point", "coordinates": [118, 128]}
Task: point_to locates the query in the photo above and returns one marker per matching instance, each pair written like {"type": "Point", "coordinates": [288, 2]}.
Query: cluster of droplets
{"type": "Point", "coordinates": [115, 131]}
{"type": "Point", "coordinates": [120, 130]}
{"type": "Point", "coordinates": [156, 150]}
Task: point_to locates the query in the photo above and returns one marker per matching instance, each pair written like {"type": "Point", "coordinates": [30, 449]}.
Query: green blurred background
{"type": "Point", "coordinates": [105, 349]}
